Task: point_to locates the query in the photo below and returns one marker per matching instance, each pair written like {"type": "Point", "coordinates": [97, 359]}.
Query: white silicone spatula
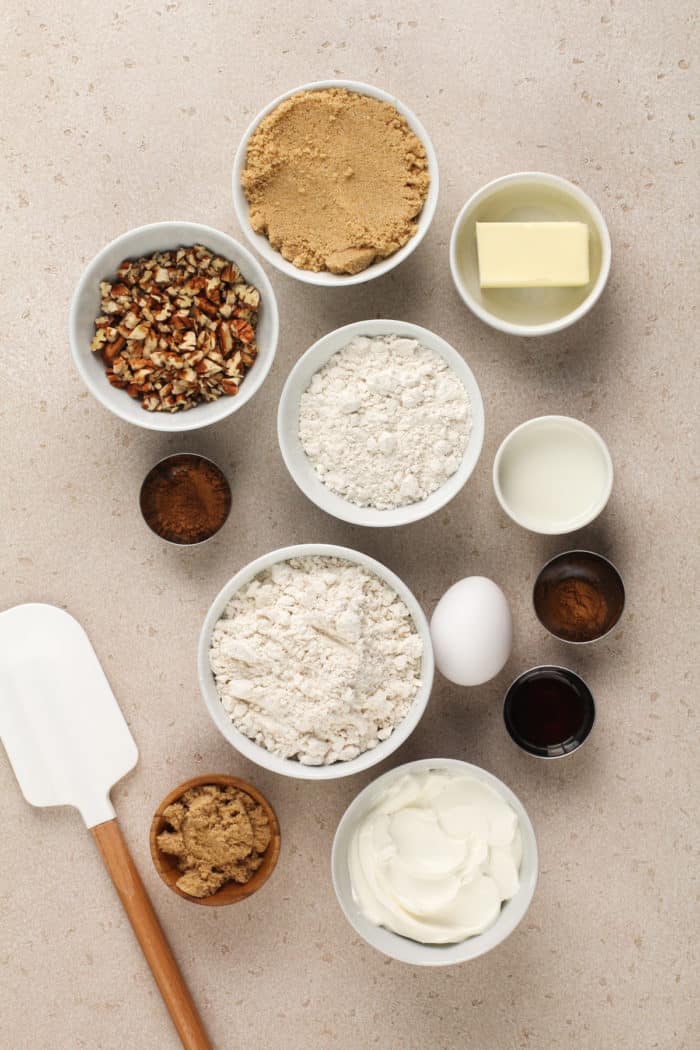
{"type": "Point", "coordinates": [68, 744]}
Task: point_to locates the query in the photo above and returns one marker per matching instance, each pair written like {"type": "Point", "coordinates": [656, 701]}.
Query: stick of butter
{"type": "Point", "coordinates": [532, 254]}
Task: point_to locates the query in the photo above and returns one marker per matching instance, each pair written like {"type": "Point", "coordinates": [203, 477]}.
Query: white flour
{"type": "Point", "coordinates": [385, 422]}
{"type": "Point", "coordinates": [316, 659]}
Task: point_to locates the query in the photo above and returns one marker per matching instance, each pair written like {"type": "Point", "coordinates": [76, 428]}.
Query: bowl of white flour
{"type": "Point", "coordinates": [315, 661]}
{"type": "Point", "coordinates": [381, 423]}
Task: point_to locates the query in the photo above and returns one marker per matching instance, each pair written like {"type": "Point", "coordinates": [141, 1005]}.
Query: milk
{"type": "Point", "coordinates": [554, 474]}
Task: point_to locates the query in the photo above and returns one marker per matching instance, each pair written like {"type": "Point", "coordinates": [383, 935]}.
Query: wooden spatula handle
{"type": "Point", "coordinates": [127, 881]}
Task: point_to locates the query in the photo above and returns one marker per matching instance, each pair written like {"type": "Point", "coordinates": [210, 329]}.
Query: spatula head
{"type": "Point", "coordinates": [60, 723]}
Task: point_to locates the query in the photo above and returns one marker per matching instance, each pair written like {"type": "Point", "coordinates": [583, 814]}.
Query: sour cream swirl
{"type": "Point", "coordinates": [435, 857]}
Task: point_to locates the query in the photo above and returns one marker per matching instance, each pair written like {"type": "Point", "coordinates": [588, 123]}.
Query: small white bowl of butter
{"type": "Point", "coordinates": [530, 302]}
{"type": "Point", "coordinates": [440, 851]}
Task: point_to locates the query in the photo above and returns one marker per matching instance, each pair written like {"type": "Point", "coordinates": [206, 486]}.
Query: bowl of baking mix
{"type": "Point", "coordinates": [173, 326]}
{"type": "Point", "coordinates": [381, 423]}
{"type": "Point", "coordinates": [335, 182]}
{"type": "Point", "coordinates": [435, 862]}
{"type": "Point", "coordinates": [315, 661]}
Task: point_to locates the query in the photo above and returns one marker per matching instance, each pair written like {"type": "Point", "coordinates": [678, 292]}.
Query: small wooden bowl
{"type": "Point", "coordinates": [231, 892]}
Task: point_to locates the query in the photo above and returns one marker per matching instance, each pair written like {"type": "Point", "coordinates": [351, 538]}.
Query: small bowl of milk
{"type": "Point", "coordinates": [553, 475]}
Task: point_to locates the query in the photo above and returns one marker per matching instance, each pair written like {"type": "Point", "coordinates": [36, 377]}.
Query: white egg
{"type": "Point", "coordinates": [472, 631]}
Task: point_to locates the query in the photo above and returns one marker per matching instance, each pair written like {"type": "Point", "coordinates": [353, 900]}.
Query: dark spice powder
{"type": "Point", "coordinates": [185, 498]}
{"type": "Point", "coordinates": [579, 596]}
{"type": "Point", "coordinates": [577, 605]}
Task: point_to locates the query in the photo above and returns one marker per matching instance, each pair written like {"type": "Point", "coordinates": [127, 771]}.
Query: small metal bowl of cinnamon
{"type": "Point", "coordinates": [579, 596]}
{"type": "Point", "coordinates": [185, 499]}
{"type": "Point", "coordinates": [215, 840]}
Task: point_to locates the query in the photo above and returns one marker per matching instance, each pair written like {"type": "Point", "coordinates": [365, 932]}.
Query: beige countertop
{"type": "Point", "coordinates": [117, 115]}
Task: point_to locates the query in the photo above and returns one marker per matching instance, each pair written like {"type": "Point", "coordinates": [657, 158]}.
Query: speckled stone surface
{"type": "Point", "coordinates": [119, 115]}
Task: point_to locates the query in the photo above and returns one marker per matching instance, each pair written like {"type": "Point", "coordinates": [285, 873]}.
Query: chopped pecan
{"type": "Point", "coordinates": [243, 330]}
{"type": "Point", "coordinates": [176, 328]}
{"type": "Point", "coordinates": [112, 350]}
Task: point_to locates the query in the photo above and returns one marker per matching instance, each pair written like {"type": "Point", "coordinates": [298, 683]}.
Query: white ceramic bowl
{"type": "Point", "coordinates": [541, 441]}
{"type": "Point", "coordinates": [377, 269]}
{"type": "Point", "coordinates": [85, 307]}
{"type": "Point", "coordinates": [402, 948]}
{"type": "Point", "coordinates": [302, 470]}
{"type": "Point", "coordinates": [528, 196]}
{"type": "Point", "coordinates": [286, 766]}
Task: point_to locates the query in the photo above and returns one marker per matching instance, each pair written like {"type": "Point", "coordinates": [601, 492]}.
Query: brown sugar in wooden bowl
{"type": "Point", "coordinates": [231, 892]}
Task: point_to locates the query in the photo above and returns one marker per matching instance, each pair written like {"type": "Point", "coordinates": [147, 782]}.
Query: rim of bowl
{"type": "Point", "coordinates": [549, 327]}
{"type": "Point", "coordinates": [94, 272]}
{"type": "Point", "coordinates": [599, 557]}
{"type": "Point", "coordinates": [219, 899]}
{"type": "Point", "coordinates": [414, 952]}
{"type": "Point", "coordinates": [450, 488]}
{"type": "Point", "coordinates": [173, 543]}
{"type": "Point", "coordinates": [582, 520]}
{"type": "Point", "coordinates": [287, 766]}
{"type": "Point", "coordinates": [324, 277]}
{"type": "Point", "coordinates": [566, 671]}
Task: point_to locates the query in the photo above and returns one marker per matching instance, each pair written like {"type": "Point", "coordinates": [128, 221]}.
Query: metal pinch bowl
{"type": "Point", "coordinates": [561, 748]}
{"type": "Point", "coordinates": [173, 458]}
{"type": "Point", "coordinates": [230, 892]}
{"type": "Point", "coordinates": [593, 568]}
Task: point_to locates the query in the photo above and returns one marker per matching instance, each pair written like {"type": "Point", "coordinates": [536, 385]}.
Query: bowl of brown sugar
{"type": "Point", "coordinates": [215, 840]}
{"type": "Point", "coordinates": [579, 596]}
{"type": "Point", "coordinates": [335, 182]}
{"type": "Point", "coordinates": [185, 499]}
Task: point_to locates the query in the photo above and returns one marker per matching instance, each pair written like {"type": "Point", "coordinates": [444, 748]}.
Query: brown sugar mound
{"type": "Point", "coordinates": [218, 834]}
{"type": "Point", "coordinates": [335, 180]}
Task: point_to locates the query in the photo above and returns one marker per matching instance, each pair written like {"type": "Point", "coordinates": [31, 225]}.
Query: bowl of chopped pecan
{"type": "Point", "coordinates": [173, 326]}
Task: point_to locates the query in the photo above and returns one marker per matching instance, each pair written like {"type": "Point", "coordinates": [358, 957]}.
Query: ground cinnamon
{"type": "Point", "coordinates": [580, 605]}
{"type": "Point", "coordinates": [185, 499]}
{"type": "Point", "coordinates": [579, 596]}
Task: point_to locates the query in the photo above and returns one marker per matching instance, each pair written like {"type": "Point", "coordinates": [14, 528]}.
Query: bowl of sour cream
{"type": "Point", "coordinates": [435, 862]}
